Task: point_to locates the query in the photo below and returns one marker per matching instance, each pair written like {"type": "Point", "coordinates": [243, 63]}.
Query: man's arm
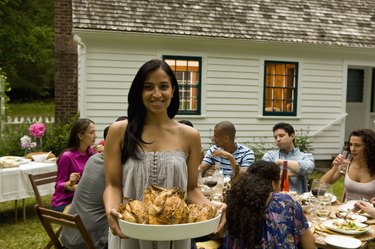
{"type": "Point", "coordinates": [302, 165]}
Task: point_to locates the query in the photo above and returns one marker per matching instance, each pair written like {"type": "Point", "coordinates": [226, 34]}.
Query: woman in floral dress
{"type": "Point", "coordinates": [258, 216]}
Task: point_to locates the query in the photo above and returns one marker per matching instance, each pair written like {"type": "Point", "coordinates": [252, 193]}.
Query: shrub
{"type": "Point", "coordinates": [54, 140]}
{"type": "Point", "coordinates": [303, 141]}
{"type": "Point", "coordinates": [260, 145]}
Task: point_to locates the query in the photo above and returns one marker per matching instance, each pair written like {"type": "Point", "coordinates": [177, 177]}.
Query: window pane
{"type": "Point", "coordinates": [187, 71]}
{"type": "Point", "coordinates": [279, 88]}
{"type": "Point", "coordinates": [354, 91]}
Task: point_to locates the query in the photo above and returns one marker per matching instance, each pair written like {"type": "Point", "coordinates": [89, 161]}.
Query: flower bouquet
{"type": "Point", "coordinates": [37, 131]}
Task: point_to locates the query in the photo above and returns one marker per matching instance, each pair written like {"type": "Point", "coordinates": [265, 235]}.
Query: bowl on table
{"type": "Point", "coordinates": [40, 157]}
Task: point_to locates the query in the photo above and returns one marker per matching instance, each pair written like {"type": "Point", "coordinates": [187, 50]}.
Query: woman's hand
{"type": "Point", "coordinates": [223, 220]}
{"type": "Point", "coordinates": [113, 218]}
{"type": "Point", "coordinates": [74, 178]}
{"type": "Point", "coordinates": [338, 160]}
{"type": "Point", "coordinates": [99, 148]}
{"type": "Point", "coordinates": [366, 207]}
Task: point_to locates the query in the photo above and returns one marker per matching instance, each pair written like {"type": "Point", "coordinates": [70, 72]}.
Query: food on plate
{"type": "Point", "coordinates": [30, 155]}
{"type": "Point", "coordinates": [134, 211]}
{"type": "Point", "coordinates": [167, 207]}
{"type": "Point", "coordinates": [164, 206]}
{"type": "Point", "coordinates": [200, 212]}
{"type": "Point", "coordinates": [354, 217]}
{"type": "Point", "coordinates": [347, 225]}
{"type": "Point", "coordinates": [8, 163]}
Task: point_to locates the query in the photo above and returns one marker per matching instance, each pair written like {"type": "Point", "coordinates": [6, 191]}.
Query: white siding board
{"type": "Point", "coordinates": [231, 82]}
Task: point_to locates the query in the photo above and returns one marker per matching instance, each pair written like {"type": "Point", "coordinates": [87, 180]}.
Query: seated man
{"type": "Point", "coordinates": [300, 164]}
{"type": "Point", "coordinates": [230, 155]}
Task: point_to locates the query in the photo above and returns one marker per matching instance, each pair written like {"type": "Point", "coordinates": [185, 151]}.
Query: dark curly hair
{"type": "Point", "coordinates": [247, 203]}
{"type": "Point", "coordinates": [368, 138]}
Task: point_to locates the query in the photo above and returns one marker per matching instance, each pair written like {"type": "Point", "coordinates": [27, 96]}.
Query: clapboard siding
{"type": "Point", "coordinates": [232, 86]}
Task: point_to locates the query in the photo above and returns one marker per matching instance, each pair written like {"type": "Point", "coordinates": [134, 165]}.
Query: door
{"type": "Point", "coordinates": [357, 101]}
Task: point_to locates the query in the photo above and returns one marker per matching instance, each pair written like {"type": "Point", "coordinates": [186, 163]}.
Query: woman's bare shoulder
{"type": "Point", "coordinates": [189, 131]}
{"type": "Point", "coordinates": [119, 125]}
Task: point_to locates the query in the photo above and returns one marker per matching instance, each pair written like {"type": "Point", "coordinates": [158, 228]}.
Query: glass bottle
{"type": "Point", "coordinates": [217, 194]}
{"type": "Point", "coordinates": [284, 177]}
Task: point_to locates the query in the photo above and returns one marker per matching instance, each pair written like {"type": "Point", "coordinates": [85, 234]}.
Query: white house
{"type": "Point", "coordinates": [307, 62]}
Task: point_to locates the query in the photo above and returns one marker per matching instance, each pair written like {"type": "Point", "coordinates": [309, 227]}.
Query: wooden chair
{"type": "Point", "coordinates": [49, 217]}
{"type": "Point", "coordinates": [42, 179]}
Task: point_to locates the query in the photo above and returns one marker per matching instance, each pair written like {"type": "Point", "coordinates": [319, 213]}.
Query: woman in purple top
{"type": "Point", "coordinates": [72, 161]}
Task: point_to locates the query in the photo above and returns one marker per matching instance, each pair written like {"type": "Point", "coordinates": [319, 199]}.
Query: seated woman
{"type": "Point", "coordinates": [258, 216]}
{"type": "Point", "coordinates": [360, 175]}
{"type": "Point", "coordinates": [72, 161]}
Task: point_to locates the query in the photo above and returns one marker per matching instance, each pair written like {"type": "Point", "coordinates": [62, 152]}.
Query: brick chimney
{"type": "Point", "coordinates": [66, 89]}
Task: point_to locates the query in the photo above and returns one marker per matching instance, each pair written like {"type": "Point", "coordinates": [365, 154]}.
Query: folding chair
{"type": "Point", "coordinates": [48, 217]}
{"type": "Point", "coordinates": [42, 179]}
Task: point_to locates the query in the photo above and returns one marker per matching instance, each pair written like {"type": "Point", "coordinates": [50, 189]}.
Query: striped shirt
{"type": "Point", "coordinates": [243, 155]}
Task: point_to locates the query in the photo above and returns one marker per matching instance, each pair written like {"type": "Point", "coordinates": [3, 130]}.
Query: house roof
{"type": "Point", "coordinates": [349, 23]}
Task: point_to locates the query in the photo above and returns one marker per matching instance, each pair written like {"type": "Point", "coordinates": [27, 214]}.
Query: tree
{"type": "Point", "coordinates": [26, 47]}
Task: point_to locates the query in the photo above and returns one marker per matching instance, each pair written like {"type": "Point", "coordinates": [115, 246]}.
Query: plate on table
{"type": "Point", "coordinates": [18, 159]}
{"type": "Point", "coordinates": [169, 232]}
{"type": "Point", "coordinates": [308, 195]}
{"type": "Point", "coordinates": [354, 217]}
{"type": "Point", "coordinates": [342, 241]}
{"type": "Point", "coordinates": [346, 227]}
{"type": "Point", "coordinates": [12, 161]}
{"type": "Point", "coordinates": [347, 206]}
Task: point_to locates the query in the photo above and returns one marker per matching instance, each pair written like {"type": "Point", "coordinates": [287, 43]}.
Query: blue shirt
{"type": "Point", "coordinates": [305, 160]}
{"type": "Point", "coordinates": [243, 155]}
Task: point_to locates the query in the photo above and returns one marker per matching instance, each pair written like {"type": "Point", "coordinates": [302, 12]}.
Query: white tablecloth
{"type": "Point", "coordinates": [15, 183]}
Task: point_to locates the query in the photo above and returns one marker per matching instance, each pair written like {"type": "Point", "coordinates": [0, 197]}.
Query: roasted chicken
{"type": "Point", "coordinates": [200, 212]}
{"type": "Point", "coordinates": [164, 206]}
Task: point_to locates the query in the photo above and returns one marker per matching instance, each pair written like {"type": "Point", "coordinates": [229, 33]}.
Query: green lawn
{"type": "Point", "coordinates": [21, 235]}
{"type": "Point", "coordinates": [39, 109]}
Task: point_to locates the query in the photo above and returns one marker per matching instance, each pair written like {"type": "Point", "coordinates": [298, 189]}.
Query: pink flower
{"type": "Point", "coordinates": [37, 130]}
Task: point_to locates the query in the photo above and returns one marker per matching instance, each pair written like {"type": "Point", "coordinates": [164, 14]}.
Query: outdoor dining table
{"type": "Point", "coordinates": [15, 184]}
{"type": "Point", "coordinates": [320, 233]}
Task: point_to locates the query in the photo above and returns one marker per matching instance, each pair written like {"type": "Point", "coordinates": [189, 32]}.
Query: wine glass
{"type": "Point", "coordinates": [322, 209]}
{"type": "Point", "coordinates": [346, 162]}
{"type": "Point", "coordinates": [325, 192]}
{"type": "Point", "coordinates": [315, 187]}
{"type": "Point", "coordinates": [210, 181]}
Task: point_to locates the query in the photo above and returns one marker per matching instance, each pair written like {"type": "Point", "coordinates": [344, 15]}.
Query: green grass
{"type": "Point", "coordinates": [21, 235]}
{"type": "Point", "coordinates": [337, 187]}
{"type": "Point", "coordinates": [38, 109]}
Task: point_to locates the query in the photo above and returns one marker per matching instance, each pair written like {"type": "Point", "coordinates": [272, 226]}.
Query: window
{"type": "Point", "coordinates": [280, 88]}
{"type": "Point", "coordinates": [354, 91]}
{"type": "Point", "coordinates": [188, 74]}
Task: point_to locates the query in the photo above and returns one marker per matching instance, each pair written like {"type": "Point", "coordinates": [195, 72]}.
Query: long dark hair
{"type": "Point", "coordinates": [247, 203]}
{"type": "Point", "coordinates": [79, 127]}
{"type": "Point", "coordinates": [368, 138]}
{"type": "Point", "coordinates": [137, 110]}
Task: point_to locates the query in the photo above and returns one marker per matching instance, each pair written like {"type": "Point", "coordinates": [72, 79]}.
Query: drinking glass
{"type": "Point", "coordinates": [210, 181]}
{"type": "Point", "coordinates": [325, 192]}
{"type": "Point", "coordinates": [315, 187]}
{"type": "Point", "coordinates": [322, 209]}
{"type": "Point", "coordinates": [346, 162]}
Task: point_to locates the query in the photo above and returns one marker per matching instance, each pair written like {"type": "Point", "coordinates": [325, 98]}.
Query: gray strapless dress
{"type": "Point", "coordinates": [165, 169]}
